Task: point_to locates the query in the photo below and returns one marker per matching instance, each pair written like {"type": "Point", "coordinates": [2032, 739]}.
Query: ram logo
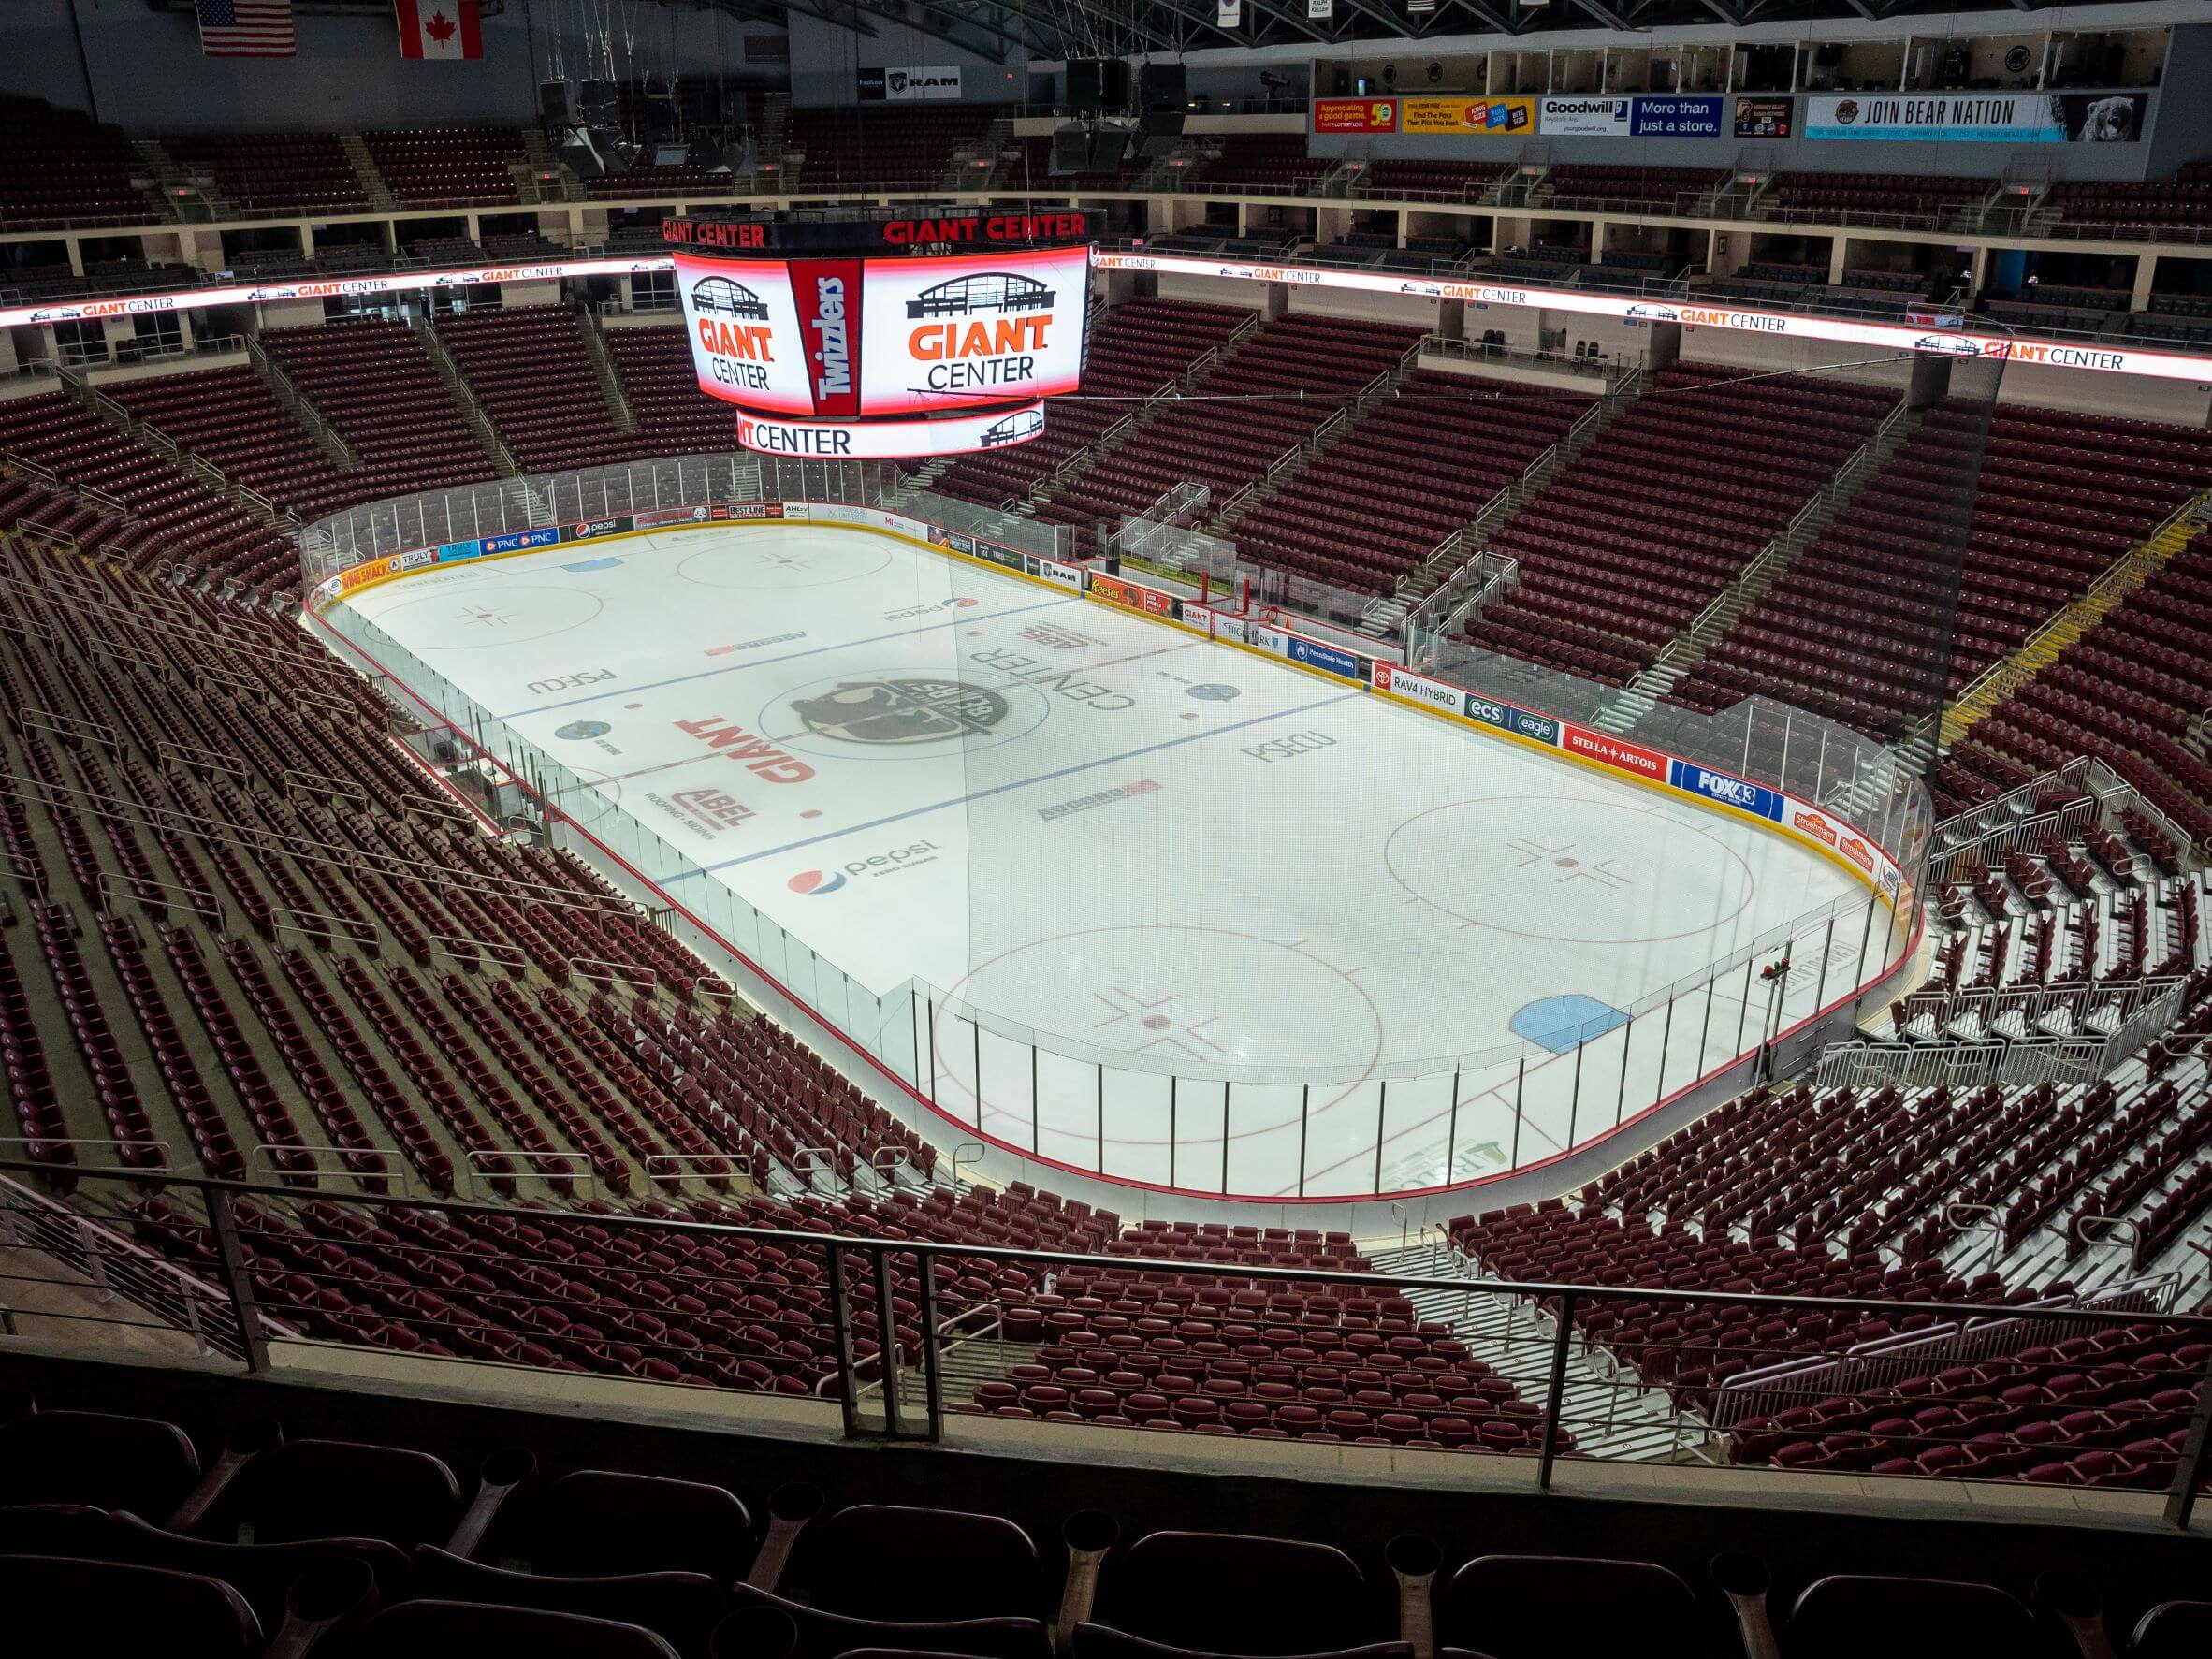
{"type": "Point", "coordinates": [988, 290]}
{"type": "Point", "coordinates": [721, 297]}
{"type": "Point", "coordinates": [1017, 428]}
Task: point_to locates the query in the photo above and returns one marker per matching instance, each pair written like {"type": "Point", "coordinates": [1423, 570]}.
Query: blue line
{"type": "Point", "coordinates": [961, 619]}
{"type": "Point", "coordinates": [998, 788]}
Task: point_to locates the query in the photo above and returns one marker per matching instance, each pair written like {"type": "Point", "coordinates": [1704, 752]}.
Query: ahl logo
{"type": "Point", "coordinates": [577, 730]}
{"type": "Point", "coordinates": [813, 881]}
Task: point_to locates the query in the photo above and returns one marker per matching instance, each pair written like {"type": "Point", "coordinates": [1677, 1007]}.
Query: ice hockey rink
{"type": "Point", "coordinates": [1351, 934]}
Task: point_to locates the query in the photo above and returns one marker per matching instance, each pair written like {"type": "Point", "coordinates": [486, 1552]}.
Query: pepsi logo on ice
{"type": "Point", "coordinates": [1756, 800]}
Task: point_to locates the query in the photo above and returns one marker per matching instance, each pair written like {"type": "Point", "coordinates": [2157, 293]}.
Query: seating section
{"type": "Point", "coordinates": [373, 384]}
{"type": "Point", "coordinates": [1366, 512]}
{"type": "Point", "coordinates": [168, 516]}
{"type": "Point", "coordinates": [653, 365]}
{"type": "Point", "coordinates": [231, 420]}
{"type": "Point", "coordinates": [2127, 692]}
{"type": "Point", "coordinates": [1274, 1359]}
{"type": "Point", "coordinates": [1648, 190]}
{"type": "Point", "coordinates": [1806, 287]}
{"type": "Point", "coordinates": [2144, 209]}
{"type": "Point", "coordinates": [1442, 180]}
{"type": "Point", "coordinates": [1298, 371]}
{"type": "Point", "coordinates": [1136, 350]}
{"type": "Point", "coordinates": [1870, 197]}
{"type": "Point", "coordinates": [1266, 164]}
{"type": "Point", "coordinates": [65, 168]}
{"type": "Point", "coordinates": [1854, 628]}
{"type": "Point", "coordinates": [888, 147]}
{"type": "Point", "coordinates": [424, 166]}
{"type": "Point", "coordinates": [1618, 555]}
{"type": "Point", "coordinates": [267, 173]}
{"type": "Point", "coordinates": [531, 371]}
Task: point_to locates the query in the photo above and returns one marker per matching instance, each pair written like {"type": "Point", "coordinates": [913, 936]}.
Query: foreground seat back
{"type": "Point", "coordinates": [881, 1560]}
{"type": "Point", "coordinates": [2174, 1630]}
{"type": "Point", "coordinates": [681, 1609]}
{"type": "Point", "coordinates": [337, 1489]}
{"type": "Point", "coordinates": [1096, 1641]}
{"type": "Point", "coordinates": [1847, 1616]}
{"type": "Point", "coordinates": [1555, 1607]}
{"type": "Point", "coordinates": [463, 1630]}
{"type": "Point", "coordinates": [830, 1636]}
{"type": "Point", "coordinates": [596, 1522]}
{"type": "Point", "coordinates": [99, 1458]}
{"type": "Point", "coordinates": [1232, 1592]}
{"type": "Point", "coordinates": [59, 1605]}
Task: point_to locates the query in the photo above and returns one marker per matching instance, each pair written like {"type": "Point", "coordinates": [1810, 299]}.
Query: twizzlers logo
{"type": "Point", "coordinates": [828, 291]}
{"type": "Point", "coordinates": [758, 754]}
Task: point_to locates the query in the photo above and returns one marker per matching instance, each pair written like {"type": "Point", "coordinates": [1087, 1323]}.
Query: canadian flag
{"type": "Point", "coordinates": [439, 29]}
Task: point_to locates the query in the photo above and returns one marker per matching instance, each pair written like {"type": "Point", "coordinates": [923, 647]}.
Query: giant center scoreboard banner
{"type": "Point", "coordinates": [886, 319]}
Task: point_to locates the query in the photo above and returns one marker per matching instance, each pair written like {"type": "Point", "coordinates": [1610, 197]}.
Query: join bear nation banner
{"type": "Point", "coordinates": [1978, 118]}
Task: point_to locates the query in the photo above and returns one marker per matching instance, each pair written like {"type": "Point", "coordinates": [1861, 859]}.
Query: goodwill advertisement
{"type": "Point", "coordinates": [1578, 117]}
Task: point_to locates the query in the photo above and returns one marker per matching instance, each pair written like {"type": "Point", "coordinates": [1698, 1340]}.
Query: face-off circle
{"type": "Point", "coordinates": [785, 564]}
{"type": "Point", "coordinates": [1571, 870]}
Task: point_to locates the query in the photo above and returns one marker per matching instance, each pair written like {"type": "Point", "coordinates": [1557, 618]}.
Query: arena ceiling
{"type": "Point", "coordinates": [1103, 28]}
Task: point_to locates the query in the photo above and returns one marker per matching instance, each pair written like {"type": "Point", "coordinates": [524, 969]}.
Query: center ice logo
{"type": "Point", "coordinates": [901, 711]}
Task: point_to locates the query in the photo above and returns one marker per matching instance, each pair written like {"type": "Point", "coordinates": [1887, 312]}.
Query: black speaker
{"type": "Point", "coordinates": [554, 107]}
{"type": "Point", "coordinates": [1071, 151]}
{"type": "Point", "coordinates": [1107, 145]}
{"type": "Point", "coordinates": [1114, 85]}
{"type": "Point", "coordinates": [1085, 83]}
{"type": "Point", "coordinates": [1158, 123]}
{"type": "Point", "coordinates": [1161, 86]}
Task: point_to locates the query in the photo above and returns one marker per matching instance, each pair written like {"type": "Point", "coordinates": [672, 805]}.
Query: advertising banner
{"type": "Point", "coordinates": [1766, 118]}
{"type": "Point", "coordinates": [1418, 687]}
{"type": "Point", "coordinates": [1539, 728]}
{"type": "Point", "coordinates": [1116, 592]}
{"type": "Point", "coordinates": [1467, 115]}
{"type": "Point", "coordinates": [1727, 790]}
{"type": "Point", "coordinates": [453, 551]}
{"type": "Point", "coordinates": [1194, 615]}
{"type": "Point", "coordinates": [1609, 750]}
{"type": "Point", "coordinates": [1065, 575]}
{"type": "Point", "coordinates": [516, 541]}
{"type": "Point", "coordinates": [747, 346]}
{"type": "Point", "coordinates": [2098, 357]}
{"type": "Point", "coordinates": [1356, 115]}
{"type": "Point", "coordinates": [953, 333]}
{"type": "Point", "coordinates": [1978, 118]}
{"type": "Point", "coordinates": [590, 530]}
{"type": "Point", "coordinates": [1684, 116]}
{"type": "Point", "coordinates": [905, 86]}
{"type": "Point", "coordinates": [1232, 628]}
{"type": "Point", "coordinates": [1582, 117]}
{"type": "Point", "coordinates": [1326, 658]}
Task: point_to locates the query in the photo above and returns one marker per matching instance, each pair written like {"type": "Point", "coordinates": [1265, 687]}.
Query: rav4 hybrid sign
{"type": "Point", "coordinates": [842, 339]}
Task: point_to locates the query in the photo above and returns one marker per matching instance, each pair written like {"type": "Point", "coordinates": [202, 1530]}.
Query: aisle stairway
{"type": "Point", "coordinates": [2044, 647]}
{"type": "Point", "coordinates": [1610, 1417]}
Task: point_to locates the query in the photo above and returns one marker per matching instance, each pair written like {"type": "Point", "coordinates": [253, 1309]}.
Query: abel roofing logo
{"type": "Point", "coordinates": [816, 881]}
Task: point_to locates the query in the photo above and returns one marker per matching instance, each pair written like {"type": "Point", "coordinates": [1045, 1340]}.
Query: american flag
{"type": "Point", "coordinates": [246, 29]}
